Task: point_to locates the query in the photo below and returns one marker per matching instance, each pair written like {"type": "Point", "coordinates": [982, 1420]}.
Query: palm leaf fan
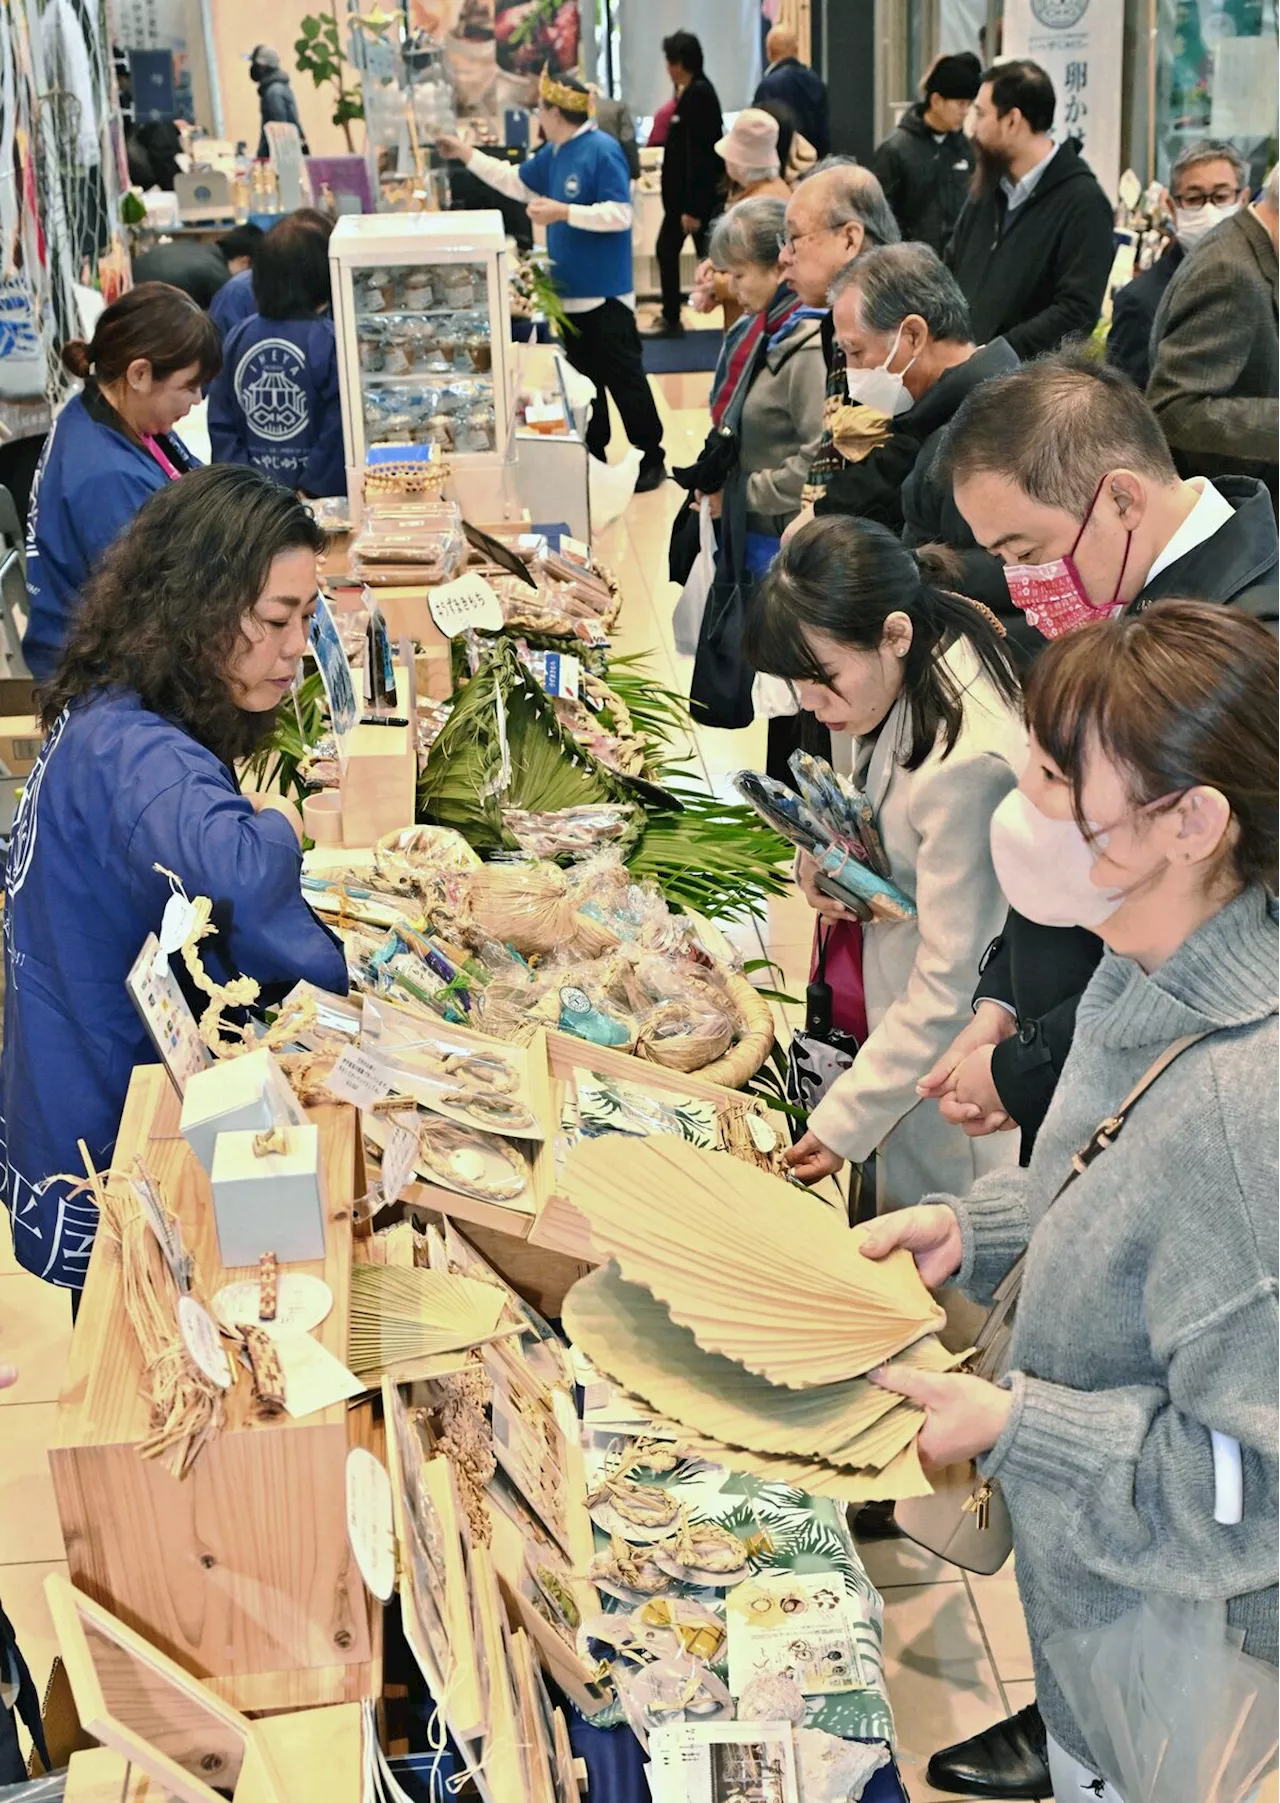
{"type": "Point", "coordinates": [465, 784]}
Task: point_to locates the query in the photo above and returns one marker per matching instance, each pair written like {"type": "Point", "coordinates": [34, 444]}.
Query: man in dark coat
{"type": "Point", "coordinates": [691, 173]}
{"type": "Point", "coordinates": [925, 164]}
{"type": "Point", "coordinates": [1033, 246]}
{"type": "Point", "coordinates": [275, 96]}
{"type": "Point", "coordinates": [789, 82]}
{"type": "Point", "coordinates": [1067, 452]}
{"type": "Point", "coordinates": [1215, 355]}
{"type": "Point", "coordinates": [1207, 184]}
{"type": "Point", "coordinates": [896, 310]}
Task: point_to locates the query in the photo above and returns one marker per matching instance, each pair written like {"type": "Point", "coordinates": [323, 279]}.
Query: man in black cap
{"type": "Point", "coordinates": [925, 164]}
{"type": "Point", "coordinates": [275, 96]}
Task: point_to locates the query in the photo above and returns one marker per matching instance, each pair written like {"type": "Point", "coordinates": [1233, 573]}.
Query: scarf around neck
{"type": "Point", "coordinates": [746, 345]}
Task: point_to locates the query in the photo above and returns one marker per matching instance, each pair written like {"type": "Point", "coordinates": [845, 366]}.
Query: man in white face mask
{"type": "Point", "coordinates": [1206, 185]}
{"type": "Point", "coordinates": [902, 325]}
{"type": "Point", "coordinates": [1215, 352]}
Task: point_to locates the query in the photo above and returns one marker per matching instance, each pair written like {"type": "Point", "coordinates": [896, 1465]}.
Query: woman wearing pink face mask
{"type": "Point", "coordinates": [1134, 1431]}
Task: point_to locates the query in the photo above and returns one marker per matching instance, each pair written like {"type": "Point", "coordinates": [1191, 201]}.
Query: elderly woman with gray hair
{"type": "Point", "coordinates": [768, 393]}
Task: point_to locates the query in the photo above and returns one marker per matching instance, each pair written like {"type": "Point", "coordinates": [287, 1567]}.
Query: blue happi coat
{"type": "Point", "coordinates": [117, 790]}
{"type": "Point", "coordinates": [275, 403]}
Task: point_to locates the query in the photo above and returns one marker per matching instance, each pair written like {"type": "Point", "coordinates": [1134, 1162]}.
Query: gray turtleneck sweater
{"type": "Point", "coordinates": [1148, 1313]}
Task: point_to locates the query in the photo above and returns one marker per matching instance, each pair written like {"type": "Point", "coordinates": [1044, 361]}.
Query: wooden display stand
{"type": "Point", "coordinates": [241, 1572]}
{"type": "Point", "coordinates": [166, 1736]}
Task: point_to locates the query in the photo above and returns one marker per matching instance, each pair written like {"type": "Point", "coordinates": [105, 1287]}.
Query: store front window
{"type": "Point", "coordinates": [1216, 78]}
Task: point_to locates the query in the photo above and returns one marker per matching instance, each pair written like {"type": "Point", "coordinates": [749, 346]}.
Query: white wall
{"type": "Point", "coordinates": [729, 31]}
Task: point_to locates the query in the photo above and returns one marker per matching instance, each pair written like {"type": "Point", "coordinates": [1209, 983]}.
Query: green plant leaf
{"type": "Point", "coordinates": [310, 27]}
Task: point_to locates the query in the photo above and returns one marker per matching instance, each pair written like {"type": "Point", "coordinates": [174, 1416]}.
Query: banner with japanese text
{"type": "Point", "coordinates": [1080, 44]}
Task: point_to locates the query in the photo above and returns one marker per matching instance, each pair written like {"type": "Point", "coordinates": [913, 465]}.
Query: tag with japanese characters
{"type": "Point", "coordinates": [201, 1338]}
{"type": "Point", "coordinates": [464, 603]}
{"type": "Point", "coordinates": [399, 1156]}
{"type": "Point", "coordinates": [360, 1078]}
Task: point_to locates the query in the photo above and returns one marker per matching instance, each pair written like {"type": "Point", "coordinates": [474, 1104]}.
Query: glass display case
{"type": "Point", "coordinates": [422, 311]}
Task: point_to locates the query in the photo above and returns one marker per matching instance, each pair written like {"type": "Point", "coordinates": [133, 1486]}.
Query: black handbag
{"type": "Point", "coordinates": [821, 1052]}
{"type": "Point", "coordinates": [720, 690]}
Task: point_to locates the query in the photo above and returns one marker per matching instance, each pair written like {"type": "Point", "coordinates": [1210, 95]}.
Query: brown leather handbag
{"type": "Point", "coordinates": [966, 1520]}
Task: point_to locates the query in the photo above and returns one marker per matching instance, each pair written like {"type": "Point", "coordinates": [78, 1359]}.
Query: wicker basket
{"type": "Point", "coordinates": [741, 1062]}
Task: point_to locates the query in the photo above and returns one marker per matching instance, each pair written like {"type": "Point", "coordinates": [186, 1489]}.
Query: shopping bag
{"type": "Point", "coordinates": [834, 1026]}
{"type": "Point", "coordinates": [720, 692]}
{"type": "Point", "coordinates": [686, 622]}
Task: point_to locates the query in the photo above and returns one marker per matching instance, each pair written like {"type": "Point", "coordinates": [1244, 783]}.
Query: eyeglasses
{"type": "Point", "coordinates": [789, 240]}
{"type": "Point", "coordinates": [1193, 199]}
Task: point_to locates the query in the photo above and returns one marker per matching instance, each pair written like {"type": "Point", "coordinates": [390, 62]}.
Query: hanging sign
{"type": "Point", "coordinates": [1080, 46]}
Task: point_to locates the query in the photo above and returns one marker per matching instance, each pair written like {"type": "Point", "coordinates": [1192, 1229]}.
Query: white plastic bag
{"type": "Point", "coordinates": [686, 622]}
{"type": "Point", "coordinates": [611, 486]}
{"type": "Point", "coordinates": [773, 697]}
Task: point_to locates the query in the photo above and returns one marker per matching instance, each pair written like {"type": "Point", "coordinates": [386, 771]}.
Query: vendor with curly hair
{"type": "Point", "coordinates": [188, 639]}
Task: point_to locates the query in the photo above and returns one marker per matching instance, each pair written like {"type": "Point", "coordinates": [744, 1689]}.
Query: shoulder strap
{"type": "Point", "coordinates": [1107, 1131]}
{"type": "Point", "coordinates": [991, 1342]}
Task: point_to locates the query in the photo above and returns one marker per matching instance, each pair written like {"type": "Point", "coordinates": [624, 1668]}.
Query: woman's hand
{"type": "Point", "coordinates": [807, 873]}
{"type": "Point", "coordinates": [801, 520]}
{"type": "Point", "coordinates": [811, 1161]}
{"type": "Point", "coordinates": [930, 1232]}
{"type": "Point", "coordinates": [964, 1416]}
{"type": "Point", "coordinates": [454, 149]}
{"type": "Point", "coordinates": [716, 501]}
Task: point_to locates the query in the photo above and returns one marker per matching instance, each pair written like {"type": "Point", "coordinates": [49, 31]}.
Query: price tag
{"type": "Point", "coordinates": [175, 923]}
{"type": "Point", "coordinates": [360, 1078]}
{"type": "Point", "coordinates": [562, 675]}
{"type": "Point", "coordinates": [466, 602]}
{"type": "Point", "coordinates": [370, 1523]}
{"type": "Point", "coordinates": [399, 1157]}
{"type": "Point", "coordinates": [575, 550]}
{"type": "Point", "coordinates": [200, 1337]}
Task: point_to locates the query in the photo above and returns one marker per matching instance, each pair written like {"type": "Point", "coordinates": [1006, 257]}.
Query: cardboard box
{"type": "Point", "coordinates": [270, 1202]}
{"type": "Point", "coordinates": [236, 1095]}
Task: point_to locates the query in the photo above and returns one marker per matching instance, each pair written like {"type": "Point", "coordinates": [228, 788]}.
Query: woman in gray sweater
{"type": "Point", "coordinates": [1146, 1329]}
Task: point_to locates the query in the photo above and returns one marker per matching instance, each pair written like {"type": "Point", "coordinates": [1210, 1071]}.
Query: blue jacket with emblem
{"type": "Point", "coordinates": [275, 403]}
{"type": "Point", "coordinates": [589, 168]}
{"type": "Point", "coordinates": [91, 480]}
{"type": "Point", "coordinates": [118, 789]}
{"type": "Point", "coordinates": [233, 302]}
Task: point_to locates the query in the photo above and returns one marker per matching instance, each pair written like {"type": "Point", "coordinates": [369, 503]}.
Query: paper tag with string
{"type": "Point", "coordinates": [178, 917]}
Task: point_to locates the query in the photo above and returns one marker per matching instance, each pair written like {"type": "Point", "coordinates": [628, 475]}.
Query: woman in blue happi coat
{"type": "Point", "coordinates": [188, 640]}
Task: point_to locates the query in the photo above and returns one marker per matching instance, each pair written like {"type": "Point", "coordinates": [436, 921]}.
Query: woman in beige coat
{"type": "Point", "coordinates": [922, 703]}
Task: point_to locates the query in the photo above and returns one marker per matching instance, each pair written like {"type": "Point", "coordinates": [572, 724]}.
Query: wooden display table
{"type": "Point", "coordinates": [241, 1572]}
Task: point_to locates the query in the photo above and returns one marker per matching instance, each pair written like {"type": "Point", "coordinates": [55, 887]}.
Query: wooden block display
{"type": "Point", "coordinates": [241, 1572]}
{"type": "Point", "coordinates": [153, 1717]}
{"type": "Point", "coordinates": [273, 1202]}
{"type": "Point", "coordinates": [378, 783]}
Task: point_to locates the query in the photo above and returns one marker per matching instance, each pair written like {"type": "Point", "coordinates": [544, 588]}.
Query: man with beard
{"type": "Point", "coordinates": [1032, 249]}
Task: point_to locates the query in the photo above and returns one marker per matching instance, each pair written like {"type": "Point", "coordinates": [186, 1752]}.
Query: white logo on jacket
{"type": "Point", "coordinates": [269, 388]}
{"type": "Point", "coordinates": [572, 187]}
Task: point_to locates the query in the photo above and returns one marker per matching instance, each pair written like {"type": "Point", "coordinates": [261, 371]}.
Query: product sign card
{"type": "Point", "coordinates": [803, 1628]}
{"type": "Point", "coordinates": [465, 603]}
{"type": "Point", "coordinates": [335, 670]}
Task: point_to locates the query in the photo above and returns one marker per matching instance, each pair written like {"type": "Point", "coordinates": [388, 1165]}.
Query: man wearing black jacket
{"type": "Point", "coordinates": [897, 311]}
{"type": "Point", "coordinates": [925, 164]}
{"type": "Point", "coordinates": [691, 173]}
{"type": "Point", "coordinates": [1065, 460]}
{"type": "Point", "coordinates": [1033, 246]}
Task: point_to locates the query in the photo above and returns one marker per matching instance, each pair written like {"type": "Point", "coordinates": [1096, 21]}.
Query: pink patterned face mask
{"type": "Point", "coordinates": [1052, 595]}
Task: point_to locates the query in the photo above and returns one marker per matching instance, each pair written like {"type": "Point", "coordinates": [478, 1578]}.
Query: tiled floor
{"type": "Point", "coordinates": [957, 1654]}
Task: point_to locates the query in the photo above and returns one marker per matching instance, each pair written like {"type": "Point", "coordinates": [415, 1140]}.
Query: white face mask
{"type": "Point", "coordinates": [879, 389]}
{"type": "Point", "coordinates": [1191, 224]}
{"type": "Point", "coordinates": [1045, 867]}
